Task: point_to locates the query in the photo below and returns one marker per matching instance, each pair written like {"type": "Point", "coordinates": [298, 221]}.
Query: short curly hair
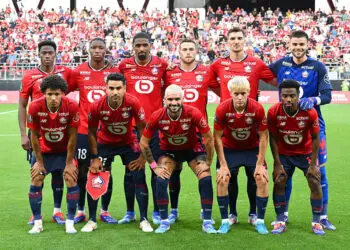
{"type": "Point", "coordinates": [47, 43]}
{"type": "Point", "coordinates": [53, 82]}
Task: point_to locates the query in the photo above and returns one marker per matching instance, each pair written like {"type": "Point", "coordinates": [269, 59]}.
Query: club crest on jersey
{"type": "Point", "coordinates": [199, 78]}
{"type": "Point", "coordinates": [97, 182]}
{"type": "Point", "coordinates": [248, 69]}
{"type": "Point", "coordinates": [301, 124]}
{"type": "Point", "coordinates": [287, 73]}
{"type": "Point", "coordinates": [249, 120]}
{"type": "Point", "coordinates": [185, 126]}
{"type": "Point", "coordinates": [305, 74]}
{"type": "Point", "coordinates": [125, 115]}
{"type": "Point", "coordinates": [63, 120]}
{"type": "Point", "coordinates": [154, 71]}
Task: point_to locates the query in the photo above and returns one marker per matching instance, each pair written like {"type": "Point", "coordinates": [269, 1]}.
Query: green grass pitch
{"type": "Point", "coordinates": [186, 233]}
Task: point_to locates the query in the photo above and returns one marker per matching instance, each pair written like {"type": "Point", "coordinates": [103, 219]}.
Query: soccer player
{"type": "Point", "coordinates": [144, 74]}
{"type": "Point", "coordinates": [30, 89]}
{"type": "Point", "coordinates": [113, 115]}
{"type": "Point", "coordinates": [178, 124]}
{"type": "Point", "coordinates": [315, 90]}
{"type": "Point", "coordinates": [89, 80]}
{"type": "Point", "coordinates": [53, 120]}
{"type": "Point", "coordinates": [241, 137]}
{"type": "Point", "coordinates": [194, 81]}
{"type": "Point", "coordinates": [294, 142]}
{"type": "Point", "coordinates": [237, 63]}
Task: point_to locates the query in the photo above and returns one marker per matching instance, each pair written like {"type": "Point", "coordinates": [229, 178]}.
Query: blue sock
{"type": "Point", "coordinates": [206, 193]}
{"type": "Point", "coordinates": [233, 193]}
{"type": "Point", "coordinates": [324, 185]}
{"type": "Point", "coordinates": [251, 190]}
{"type": "Point", "coordinates": [129, 190]}
{"type": "Point", "coordinates": [162, 197]}
{"type": "Point", "coordinates": [106, 198]}
{"type": "Point", "coordinates": [261, 204]}
{"type": "Point", "coordinates": [72, 200]}
{"type": "Point", "coordinates": [35, 199]}
{"type": "Point", "coordinates": [316, 209]}
{"type": "Point", "coordinates": [288, 191]}
{"type": "Point", "coordinates": [154, 196]}
{"type": "Point", "coordinates": [141, 190]}
{"type": "Point", "coordinates": [57, 187]}
{"type": "Point", "coordinates": [223, 206]}
{"type": "Point", "coordinates": [174, 188]}
{"type": "Point", "coordinates": [279, 202]}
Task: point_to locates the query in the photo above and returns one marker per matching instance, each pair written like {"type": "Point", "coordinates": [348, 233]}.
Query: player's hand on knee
{"type": "Point", "coordinates": [314, 172]}
{"type": "Point", "coordinates": [71, 170]}
{"type": "Point", "coordinates": [137, 164]}
{"type": "Point", "coordinates": [36, 170]}
{"type": "Point", "coordinates": [307, 103]}
{"type": "Point", "coordinates": [96, 166]}
{"type": "Point", "coordinates": [25, 142]}
{"type": "Point", "coordinates": [162, 172]}
{"type": "Point", "coordinates": [260, 170]}
{"type": "Point", "coordinates": [223, 175]}
{"type": "Point", "coordinates": [279, 174]}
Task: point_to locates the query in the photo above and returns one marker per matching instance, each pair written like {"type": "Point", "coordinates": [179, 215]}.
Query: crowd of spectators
{"type": "Point", "coordinates": [267, 33]}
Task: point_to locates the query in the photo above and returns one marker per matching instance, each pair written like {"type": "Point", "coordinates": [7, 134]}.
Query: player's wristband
{"type": "Point", "coordinates": [94, 156]}
{"type": "Point", "coordinates": [153, 165]}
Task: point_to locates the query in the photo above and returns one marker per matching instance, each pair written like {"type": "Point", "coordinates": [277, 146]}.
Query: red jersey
{"type": "Point", "coordinates": [32, 79]}
{"type": "Point", "coordinates": [177, 134]}
{"type": "Point", "coordinates": [145, 82]}
{"type": "Point", "coordinates": [116, 124]}
{"type": "Point", "coordinates": [250, 67]}
{"type": "Point", "coordinates": [53, 127]}
{"type": "Point", "coordinates": [91, 85]}
{"type": "Point", "coordinates": [293, 132]}
{"type": "Point", "coordinates": [240, 131]}
{"type": "Point", "coordinates": [195, 85]}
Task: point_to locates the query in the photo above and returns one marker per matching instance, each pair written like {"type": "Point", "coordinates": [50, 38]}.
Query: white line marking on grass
{"type": "Point", "coordinates": [7, 112]}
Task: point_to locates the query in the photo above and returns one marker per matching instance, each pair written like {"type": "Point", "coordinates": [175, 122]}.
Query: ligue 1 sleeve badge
{"type": "Point", "coordinates": [97, 184]}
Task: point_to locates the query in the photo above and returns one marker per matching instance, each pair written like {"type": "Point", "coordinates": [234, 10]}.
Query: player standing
{"type": "Point", "coordinates": [315, 90]}
{"type": "Point", "coordinates": [237, 63]}
{"type": "Point", "coordinates": [113, 114]}
{"type": "Point", "coordinates": [89, 79]}
{"type": "Point", "coordinates": [53, 121]}
{"type": "Point", "coordinates": [241, 137]}
{"type": "Point", "coordinates": [31, 89]}
{"type": "Point", "coordinates": [143, 73]}
{"type": "Point", "coordinates": [294, 142]}
{"type": "Point", "coordinates": [178, 124]}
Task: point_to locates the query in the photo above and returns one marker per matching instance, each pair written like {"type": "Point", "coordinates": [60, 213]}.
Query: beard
{"type": "Point", "coordinates": [142, 56]}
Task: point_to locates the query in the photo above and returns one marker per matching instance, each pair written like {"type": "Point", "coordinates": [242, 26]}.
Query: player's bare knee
{"type": "Point", "coordinates": [202, 170]}
{"type": "Point", "coordinates": [38, 180]}
{"type": "Point", "coordinates": [261, 181]}
{"type": "Point", "coordinates": [69, 180]}
{"type": "Point", "coordinates": [314, 184]}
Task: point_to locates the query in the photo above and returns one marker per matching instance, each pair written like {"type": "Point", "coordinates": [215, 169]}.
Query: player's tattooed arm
{"type": "Point", "coordinates": [146, 150]}
{"type": "Point", "coordinates": [209, 146]}
{"type": "Point", "coordinates": [140, 127]}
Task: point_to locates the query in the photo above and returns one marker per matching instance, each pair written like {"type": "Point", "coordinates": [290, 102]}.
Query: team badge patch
{"type": "Point", "coordinates": [305, 74]}
{"type": "Point", "coordinates": [248, 69]}
{"type": "Point", "coordinates": [97, 184]}
{"type": "Point", "coordinates": [63, 120]}
{"type": "Point", "coordinates": [199, 78]}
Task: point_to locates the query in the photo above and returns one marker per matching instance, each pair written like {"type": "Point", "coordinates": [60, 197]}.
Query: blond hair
{"type": "Point", "coordinates": [173, 89]}
{"type": "Point", "coordinates": [239, 84]}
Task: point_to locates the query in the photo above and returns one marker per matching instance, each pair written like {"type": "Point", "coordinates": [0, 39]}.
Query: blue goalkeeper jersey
{"type": "Point", "coordinates": [311, 74]}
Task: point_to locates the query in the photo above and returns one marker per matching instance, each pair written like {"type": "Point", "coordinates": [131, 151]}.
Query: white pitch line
{"type": "Point", "coordinates": [7, 112]}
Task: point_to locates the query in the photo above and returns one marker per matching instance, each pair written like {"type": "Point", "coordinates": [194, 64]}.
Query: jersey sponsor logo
{"type": "Point", "coordinates": [240, 135]}
{"type": "Point", "coordinates": [42, 114]}
{"type": "Point", "coordinates": [190, 95]}
{"type": "Point", "coordinates": [94, 95]}
{"type": "Point", "coordinates": [54, 136]}
{"type": "Point", "coordinates": [63, 120]}
{"type": "Point", "coordinates": [117, 129]}
{"type": "Point", "coordinates": [199, 78]}
{"type": "Point", "coordinates": [76, 117]}
{"type": "Point", "coordinates": [177, 140]}
{"type": "Point", "coordinates": [144, 86]}
{"type": "Point", "coordinates": [292, 139]}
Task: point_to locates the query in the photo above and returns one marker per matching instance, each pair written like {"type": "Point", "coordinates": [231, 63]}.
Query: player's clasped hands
{"type": "Point", "coordinates": [37, 169]}
{"type": "Point", "coordinates": [96, 166]}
